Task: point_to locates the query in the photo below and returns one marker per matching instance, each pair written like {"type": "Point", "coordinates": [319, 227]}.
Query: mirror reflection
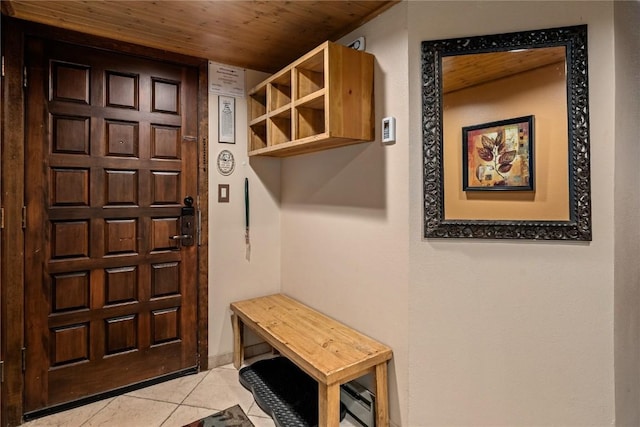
{"type": "Point", "coordinates": [488, 87]}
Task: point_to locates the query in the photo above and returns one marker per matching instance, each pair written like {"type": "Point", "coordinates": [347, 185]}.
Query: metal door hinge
{"type": "Point", "coordinates": [1, 218]}
{"type": "Point", "coordinates": [24, 77]}
{"type": "Point", "coordinates": [2, 65]}
{"type": "Point", "coordinates": [24, 217]}
{"type": "Point", "coordinates": [24, 359]}
{"type": "Point", "coordinates": [1, 371]}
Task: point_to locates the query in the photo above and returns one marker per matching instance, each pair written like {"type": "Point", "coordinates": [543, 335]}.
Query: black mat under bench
{"type": "Point", "coordinates": [284, 391]}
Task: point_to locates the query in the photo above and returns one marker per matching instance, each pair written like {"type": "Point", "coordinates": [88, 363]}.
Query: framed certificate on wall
{"type": "Point", "coordinates": [227, 119]}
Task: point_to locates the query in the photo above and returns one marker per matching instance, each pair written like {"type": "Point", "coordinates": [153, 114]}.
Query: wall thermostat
{"type": "Point", "coordinates": [389, 129]}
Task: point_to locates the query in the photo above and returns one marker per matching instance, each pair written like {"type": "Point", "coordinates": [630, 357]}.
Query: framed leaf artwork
{"type": "Point", "coordinates": [498, 156]}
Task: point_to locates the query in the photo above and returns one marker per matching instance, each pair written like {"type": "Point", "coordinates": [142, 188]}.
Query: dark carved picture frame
{"type": "Point", "coordinates": [578, 227]}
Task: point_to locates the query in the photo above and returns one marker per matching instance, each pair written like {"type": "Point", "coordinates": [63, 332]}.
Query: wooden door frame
{"type": "Point", "coordinates": [12, 172]}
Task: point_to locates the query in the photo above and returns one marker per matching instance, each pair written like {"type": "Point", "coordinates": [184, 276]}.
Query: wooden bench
{"type": "Point", "coordinates": [327, 350]}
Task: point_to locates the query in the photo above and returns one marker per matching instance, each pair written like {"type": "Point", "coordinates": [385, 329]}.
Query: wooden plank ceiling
{"type": "Point", "coordinates": [464, 71]}
{"type": "Point", "coordinates": [259, 35]}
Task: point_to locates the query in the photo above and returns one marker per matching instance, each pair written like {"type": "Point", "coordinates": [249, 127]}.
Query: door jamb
{"type": "Point", "coordinates": [12, 172]}
{"type": "Point", "coordinates": [12, 258]}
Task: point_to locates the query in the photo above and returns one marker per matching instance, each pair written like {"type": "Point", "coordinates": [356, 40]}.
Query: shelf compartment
{"type": "Point", "coordinates": [314, 100]}
{"type": "Point", "coordinates": [258, 103]}
{"type": "Point", "coordinates": [309, 122]}
{"type": "Point", "coordinates": [309, 82]}
{"type": "Point", "coordinates": [279, 130]}
{"type": "Point", "coordinates": [280, 91]}
{"type": "Point", "coordinates": [258, 135]}
{"type": "Point", "coordinates": [310, 74]}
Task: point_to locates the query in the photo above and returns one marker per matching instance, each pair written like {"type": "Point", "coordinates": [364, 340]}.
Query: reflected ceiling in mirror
{"type": "Point", "coordinates": [477, 75]}
{"type": "Point", "coordinates": [463, 71]}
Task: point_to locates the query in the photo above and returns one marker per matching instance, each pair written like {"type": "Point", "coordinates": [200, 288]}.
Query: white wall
{"type": "Point", "coordinates": [535, 348]}
{"type": "Point", "coordinates": [231, 276]}
{"type": "Point", "coordinates": [627, 206]}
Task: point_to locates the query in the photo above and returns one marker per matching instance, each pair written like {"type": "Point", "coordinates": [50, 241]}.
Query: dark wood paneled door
{"type": "Point", "coordinates": [111, 155]}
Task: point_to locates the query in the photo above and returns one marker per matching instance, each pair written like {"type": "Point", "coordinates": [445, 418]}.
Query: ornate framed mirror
{"type": "Point", "coordinates": [476, 83]}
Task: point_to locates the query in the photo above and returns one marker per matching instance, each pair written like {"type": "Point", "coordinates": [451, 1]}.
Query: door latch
{"type": "Point", "coordinates": [187, 223]}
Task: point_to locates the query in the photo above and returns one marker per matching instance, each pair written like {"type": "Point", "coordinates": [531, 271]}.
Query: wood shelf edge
{"type": "Point", "coordinates": [303, 146]}
{"type": "Point", "coordinates": [302, 102]}
{"type": "Point", "coordinates": [281, 111]}
{"type": "Point", "coordinates": [258, 120]}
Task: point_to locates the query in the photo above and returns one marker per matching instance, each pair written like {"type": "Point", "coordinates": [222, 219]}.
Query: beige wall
{"type": "Point", "coordinates": [627, 207]}
{"type": "Point", "coordinates": [523, 333]}
{"type": "Point", "coordinates": [344, 217]}
{"type": "Point", "coordinates": [341, 231]}
{"type": "Point", "coordinates": [231, 276]}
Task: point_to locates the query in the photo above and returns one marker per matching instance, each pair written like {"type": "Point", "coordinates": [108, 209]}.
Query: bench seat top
{"type": "Point", "coordinates": [324, 348]}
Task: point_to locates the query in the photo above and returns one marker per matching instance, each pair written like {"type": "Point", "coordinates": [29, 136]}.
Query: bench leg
{"type": "Point", "coordinates": [329, 405]}
{"type": "Point", "coordinates": [382, 398]}
{"type": "Point", "coordinates": [238, 341]}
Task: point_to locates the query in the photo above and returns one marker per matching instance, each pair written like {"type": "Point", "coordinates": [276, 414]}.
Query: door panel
{"type": "Point", "coordinates": [110, 296]}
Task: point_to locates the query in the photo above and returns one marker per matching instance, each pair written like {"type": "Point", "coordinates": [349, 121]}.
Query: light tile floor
{"type": "Point", "coordinates": [170, 404]}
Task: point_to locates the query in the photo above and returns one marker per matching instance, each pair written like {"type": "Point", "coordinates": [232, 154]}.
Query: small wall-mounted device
{"type": "Point", "coordinates": [357, 44]}
{"type": "Point", "coordinates": [389, 129]}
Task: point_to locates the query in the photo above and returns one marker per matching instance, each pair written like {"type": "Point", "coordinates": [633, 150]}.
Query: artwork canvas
{"type": "Point", "coordinates": [498, 156]}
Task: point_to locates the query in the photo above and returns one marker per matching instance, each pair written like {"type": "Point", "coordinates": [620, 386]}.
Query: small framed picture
{"type": "Point", "coordinates": [227, 119]}
{"type": "Point", "coordinates": [498, 156]}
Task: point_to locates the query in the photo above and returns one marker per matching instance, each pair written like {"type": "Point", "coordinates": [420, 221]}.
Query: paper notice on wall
{"type": "Point", "coordinates": [226, 80]}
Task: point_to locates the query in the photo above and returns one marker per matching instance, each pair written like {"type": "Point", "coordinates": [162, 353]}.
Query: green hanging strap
{"type": "Point", "coordinates": [246, 220]}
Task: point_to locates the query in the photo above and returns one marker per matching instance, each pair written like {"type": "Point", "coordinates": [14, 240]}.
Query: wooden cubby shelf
{"type": "Point", "coordinates": [323, 100]}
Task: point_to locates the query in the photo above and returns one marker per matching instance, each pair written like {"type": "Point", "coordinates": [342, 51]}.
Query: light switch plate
{"type": "Point", "coordinates": [223, 193]}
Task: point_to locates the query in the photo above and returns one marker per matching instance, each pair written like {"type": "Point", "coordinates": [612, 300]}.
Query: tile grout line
{"type": "Point", "coordinates": [177, 405]}
{"type": "Point", "coordinates": [169, 416]}
{"type": "Point", "coordinates": [196, 386]}
{"type": "Point", "coordinates": [181, 403]}
{"type": "Point", "coordinates": [98, 411]}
